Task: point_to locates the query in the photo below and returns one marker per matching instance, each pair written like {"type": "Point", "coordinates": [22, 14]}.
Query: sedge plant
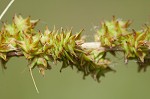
{"type": "Point", "coordinates": [44, 49]}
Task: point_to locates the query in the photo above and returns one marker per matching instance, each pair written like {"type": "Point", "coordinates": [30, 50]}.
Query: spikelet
{"type": "Point", "coordinates": [43, 49]}
{"type": "Point", "coordinates": [115, 36]}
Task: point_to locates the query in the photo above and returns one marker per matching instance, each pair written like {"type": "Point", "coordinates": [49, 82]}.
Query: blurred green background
{"type": "Point", "coordinates": [126, 83]}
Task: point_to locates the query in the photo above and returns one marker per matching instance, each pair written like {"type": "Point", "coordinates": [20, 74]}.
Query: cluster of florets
{"type": "Point", "coordinates": [115, 36]}
{"type": "Point", "coordinates": [42, 49]}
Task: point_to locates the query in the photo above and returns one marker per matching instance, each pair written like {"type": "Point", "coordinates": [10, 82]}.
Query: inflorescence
{"type": "Point", "coordinates": [42, 49]}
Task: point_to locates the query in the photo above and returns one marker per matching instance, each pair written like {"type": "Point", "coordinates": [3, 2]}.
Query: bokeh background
{"type": "Point", "coordinates": [126, 83]}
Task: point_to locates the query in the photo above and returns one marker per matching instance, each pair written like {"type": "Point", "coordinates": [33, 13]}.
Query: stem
{"type": "Point", "coordinates": [91, 45]}
{"type": "Point", "coordinates": [97, 45]}
{"type": "Point", "coordinates": [87, 45]}
{"type": "Point", "coordinates": [33, 80]}
{"type": "Point", "coordinates": [2, 14]}
{"type": "Point", "coordinates": [15, 53]}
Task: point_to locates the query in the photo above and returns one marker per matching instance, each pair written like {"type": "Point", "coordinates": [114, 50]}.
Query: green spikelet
{"type": "Point", "coordinates": [41, 49]}
{"type": "Point", "coordinates": [115, 36]}
{"type": "Point", "coordinates": [111, 32]}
